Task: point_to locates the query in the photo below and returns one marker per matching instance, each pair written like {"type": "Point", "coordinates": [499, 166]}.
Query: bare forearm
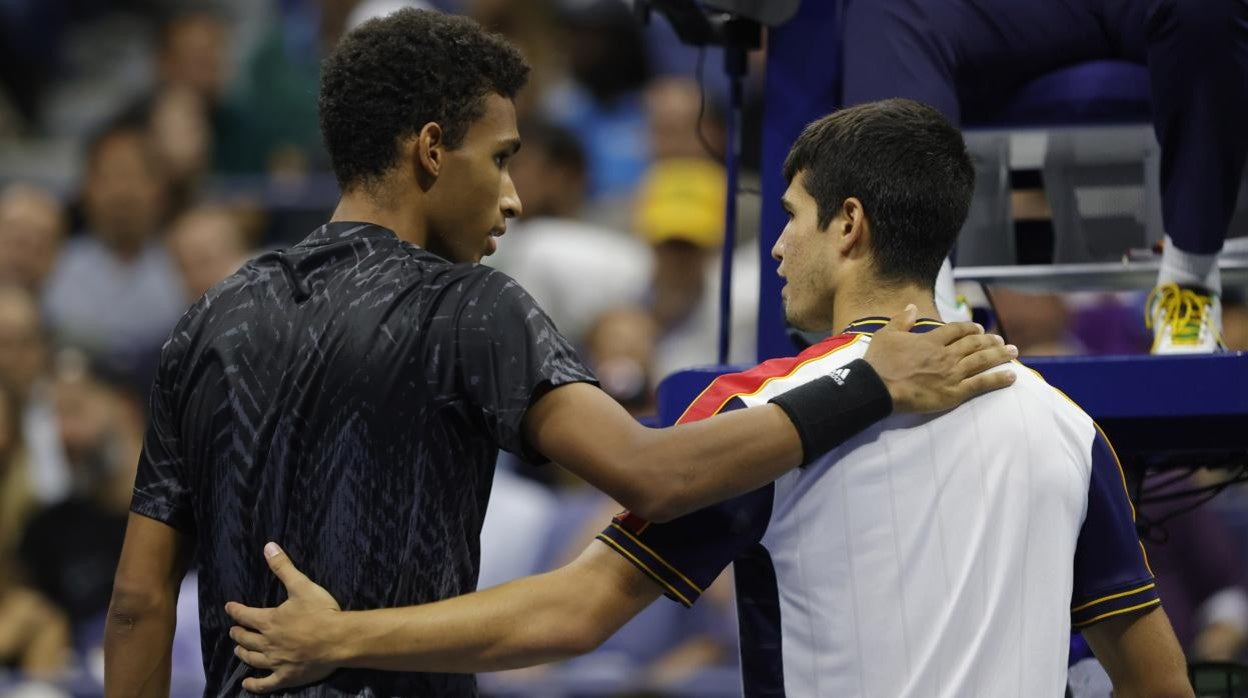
{"type": "Point", "coordinates": [138, 637]}
{"type": "Point", "coordinates": [662, 473]}
{"type": "Point", "coordinates": [698, 464]}
{"type": "Point", "coordinates": [515, 625]}
{"type": "Point", "coordinates": [137, 649]}
{"type": "Point", "coordinates": [1141, 655]}
{"type": "Point", "coordinates": [533, 620]}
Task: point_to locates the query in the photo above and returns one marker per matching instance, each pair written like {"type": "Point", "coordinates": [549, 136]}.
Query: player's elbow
{"type": "Point", "coordinates": [659, 505]}
{"type": "Point", "coordinates": [133, 602]}
{"type": "Point", "coordinates": [662, 494]}
{"type": "Point", "coordinates": [647, 494]}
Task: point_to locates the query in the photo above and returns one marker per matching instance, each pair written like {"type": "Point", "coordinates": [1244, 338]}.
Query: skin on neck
{"type": "Point", "coordinates": [861, 291]}
{"type": "Point", "coordinates": [398, 198]}
{"type": "Point", "coordinates": [867, 296]}
{"type": "Point", "coordinates": [403, 215]}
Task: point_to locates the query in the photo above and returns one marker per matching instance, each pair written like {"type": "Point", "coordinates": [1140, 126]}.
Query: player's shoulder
{"type": "Point", "coordinates": [479, 287]}
{"type": "Point", "coordinates": [759, 384]}
{"type": "Point", "coordinates": [1032, 387]}
{"type": "Point", "coordinates": [775, 376]}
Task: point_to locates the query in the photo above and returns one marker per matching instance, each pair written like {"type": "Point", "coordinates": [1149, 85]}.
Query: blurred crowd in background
{"type": "Point", "coordinates": [148, 148]}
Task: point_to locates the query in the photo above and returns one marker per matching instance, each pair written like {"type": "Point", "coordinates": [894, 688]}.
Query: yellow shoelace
{"type": "Point", "coordinates": [1183, 310]}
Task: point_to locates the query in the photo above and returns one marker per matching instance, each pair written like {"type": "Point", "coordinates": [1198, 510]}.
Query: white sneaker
{"type": "Point", "coordinates": [1184, 320]}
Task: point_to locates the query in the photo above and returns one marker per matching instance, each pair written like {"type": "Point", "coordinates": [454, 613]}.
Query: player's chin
{"type": "Point", "coordinates": [491, 246]}
{"type": "Point", "coordinates": [796, 319]}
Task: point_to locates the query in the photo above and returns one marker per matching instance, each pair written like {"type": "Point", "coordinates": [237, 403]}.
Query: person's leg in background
{"type": "Point", "coordinates": [1197, 56]}
{"type": "Point", "coordinates": [943, 52]}
{"type": "Point", "coordinates": [896, 48]}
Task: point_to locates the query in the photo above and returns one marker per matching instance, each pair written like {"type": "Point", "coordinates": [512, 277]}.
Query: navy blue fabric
{"type": "Point", "coordinates": [969, 57]}
{"type": "Point", "coordinates": [685, 555]}
{"type": "Point", "coordinates": [758, 620]}
{"type": "Point", "coordinates": [1096, 92]}
{"type": "Point", "coordinates": [1111, 573]}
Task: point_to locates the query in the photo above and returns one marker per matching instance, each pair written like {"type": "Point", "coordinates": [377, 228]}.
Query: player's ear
{"type": "Point", "coordinates": [427, 152]}
{"type": "Point", "coordinates": [851, 227]}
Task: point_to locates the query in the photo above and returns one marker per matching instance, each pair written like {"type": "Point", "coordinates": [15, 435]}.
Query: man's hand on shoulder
{"type": "Point", "coordinates": [937, 370]}
{"type": "Point", "coordinates": [293, 640]}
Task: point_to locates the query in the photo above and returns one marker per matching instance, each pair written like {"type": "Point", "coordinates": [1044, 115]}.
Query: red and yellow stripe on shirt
{"type": "Point", "coordinates": [732, 385]}
{"type": "Point", "coordinates": [752, 382]}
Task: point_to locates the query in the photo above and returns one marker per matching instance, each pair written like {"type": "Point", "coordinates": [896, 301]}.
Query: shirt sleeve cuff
{"type": "Point", "coordinates": [676, 585]}
{"type": "Point", "coordinates": [163, 511]}
{"type": "Point", "coordinates": [1134, 597]}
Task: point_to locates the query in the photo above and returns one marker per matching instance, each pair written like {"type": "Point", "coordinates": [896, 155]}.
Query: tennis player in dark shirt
{"type": "Point", "coordinates": [349, 395]}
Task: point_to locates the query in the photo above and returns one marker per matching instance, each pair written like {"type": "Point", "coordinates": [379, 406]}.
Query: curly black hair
{"type": "Point", "coordinates": [392, 75]}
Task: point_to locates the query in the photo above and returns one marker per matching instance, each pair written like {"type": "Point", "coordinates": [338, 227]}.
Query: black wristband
{"type": "Point", "coordinates": [828, 411]}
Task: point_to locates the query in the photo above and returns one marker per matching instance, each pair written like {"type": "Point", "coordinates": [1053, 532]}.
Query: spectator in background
{"type": "Point", "coordinates": [602, 103]}
{"type": "Point", "coordinates": [34, 635]}
{"type": "Point", "coordinates": [574, 269]}
{"type": "Point", "coordinates": [32, 226]}
{"type": "Point", "coordinates": [181, 135]}
{"type": "Point", "coordinates": [70, 550]}
{"type": "Point", "coordinates": [621, 344]}
{"type": "Point", "coordinates": [17, 501]}
{"type": "Point", "coordinates": [207, 245]}
{"type": "Point", "coordinates": [672, 108]}
{"type": "Point", "coordinates": [184, 108]}
{"type": "Point", "coordinates": [268, 122]}
{"type": "Point", "coordinates": [24, 366]}
{"type": "Point", "coordinates": [532, 26]}
{"type": "Point", "coordinates": [1038, 324]}
{"type": "Point", "coordinates": [115, 291]}
{"type": "Point", "coordinates": [680, 213]}
{"type": "Point", "coordinates": [191, 52]}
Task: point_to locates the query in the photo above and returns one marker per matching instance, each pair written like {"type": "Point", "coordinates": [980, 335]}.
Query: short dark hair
{"type": "Point", "coordinates": [392, 75]}
{"type": "Point", "coordinates": [907, 165]}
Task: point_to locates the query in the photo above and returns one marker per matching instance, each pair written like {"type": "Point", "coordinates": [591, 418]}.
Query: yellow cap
{"type": "Point", "coordinates": [683, 199]}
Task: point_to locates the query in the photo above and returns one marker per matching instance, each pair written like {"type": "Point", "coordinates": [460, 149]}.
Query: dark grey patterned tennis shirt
{"type": "Point", "coordinates": [347, 398]}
